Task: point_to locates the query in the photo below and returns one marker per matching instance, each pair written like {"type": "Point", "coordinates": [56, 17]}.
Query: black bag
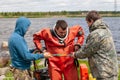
{"type": "Point", "coordinates": [41, 74]}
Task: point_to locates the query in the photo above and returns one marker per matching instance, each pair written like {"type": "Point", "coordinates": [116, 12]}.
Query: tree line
{"type": "Point", "coordinates": [55, 14]}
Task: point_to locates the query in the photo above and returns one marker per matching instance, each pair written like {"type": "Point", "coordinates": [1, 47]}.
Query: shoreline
{"type": "Point", "coordinates": [56, 14]}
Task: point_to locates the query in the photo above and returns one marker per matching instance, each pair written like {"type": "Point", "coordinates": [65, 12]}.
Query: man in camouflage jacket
{"type": "Point", "coordinates": [99, 49]}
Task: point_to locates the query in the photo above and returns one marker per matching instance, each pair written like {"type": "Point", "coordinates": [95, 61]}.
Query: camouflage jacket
{"type": "Point", "coordinates": [100, 51]}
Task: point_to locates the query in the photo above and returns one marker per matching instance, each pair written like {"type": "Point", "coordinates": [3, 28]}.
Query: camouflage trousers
{"type": "Point", "coordinates": [21, 74]}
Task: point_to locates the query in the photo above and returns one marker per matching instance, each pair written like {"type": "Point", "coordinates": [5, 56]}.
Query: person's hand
{"type": "Point", "coordinates": [44, 50]}
{"type": "Point", "coordinates": [76, 47]}
{"type": "Point", "coordinates": [47, 55]}
{"type": "Point", "coordinates": [72, 54]}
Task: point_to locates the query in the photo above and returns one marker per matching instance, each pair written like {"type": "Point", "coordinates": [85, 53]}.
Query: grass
{"type": "Point", "coordinates": [9, 75]}
{"type": "Point", "coordinates": [119, 75]}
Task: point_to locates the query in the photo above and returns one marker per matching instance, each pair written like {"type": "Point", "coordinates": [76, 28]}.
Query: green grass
{"type": "Point", "coordinates": [119, 75]}
{"type": "Point", "coordinates": [9, 76]}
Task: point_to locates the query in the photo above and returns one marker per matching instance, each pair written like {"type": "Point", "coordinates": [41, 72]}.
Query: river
{"type": "Point", "coordinates": [7, 27]}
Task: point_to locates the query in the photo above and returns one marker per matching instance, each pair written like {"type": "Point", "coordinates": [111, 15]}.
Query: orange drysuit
{"type": "Point", "coordinates": [59, 66]}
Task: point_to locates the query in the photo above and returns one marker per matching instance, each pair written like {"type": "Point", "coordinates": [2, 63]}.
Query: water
{"type": "Point", "coordinates": [7, 27]}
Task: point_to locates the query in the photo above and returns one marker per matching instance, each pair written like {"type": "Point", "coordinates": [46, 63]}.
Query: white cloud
{"type": "Point", "coordinates": [57, 5]}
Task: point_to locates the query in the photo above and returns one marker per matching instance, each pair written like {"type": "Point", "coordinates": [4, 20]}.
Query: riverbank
{"type": "Point", "coordinates": [56, 14]}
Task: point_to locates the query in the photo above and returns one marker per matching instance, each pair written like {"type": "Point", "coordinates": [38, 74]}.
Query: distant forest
{"type": "Point", "coordinates": [56, 14]}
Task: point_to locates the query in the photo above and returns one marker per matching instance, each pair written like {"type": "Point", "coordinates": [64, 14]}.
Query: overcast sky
{"type": "Point", "coordinates": [57, 5]}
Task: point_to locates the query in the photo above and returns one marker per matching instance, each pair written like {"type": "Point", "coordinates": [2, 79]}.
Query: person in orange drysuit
{"type": "Point", "coordinates": [61, 40]}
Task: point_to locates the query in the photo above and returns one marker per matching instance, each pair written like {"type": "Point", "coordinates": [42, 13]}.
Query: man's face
{"type": "Point", "coordinates": [89, 22]}
{"type": "Point", "coordinates": [60, 32]}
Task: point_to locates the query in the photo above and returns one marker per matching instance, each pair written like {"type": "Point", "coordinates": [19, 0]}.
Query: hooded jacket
{"type": "Point", "coordinates": [21, 57]}
{"type": "Point", "coordinates": [100, 51]}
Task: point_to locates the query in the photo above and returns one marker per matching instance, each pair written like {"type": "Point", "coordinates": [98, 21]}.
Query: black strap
{"type": "Point", "coordinates": [28, 70]}
{"type": "Point", "coordinates": [76, 62]}
{"type": "Point", "coordinates": [34, 65]}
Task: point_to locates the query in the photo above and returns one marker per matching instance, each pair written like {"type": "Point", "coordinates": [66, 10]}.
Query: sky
{"type": "Point", "coordinates": [58, 5]}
